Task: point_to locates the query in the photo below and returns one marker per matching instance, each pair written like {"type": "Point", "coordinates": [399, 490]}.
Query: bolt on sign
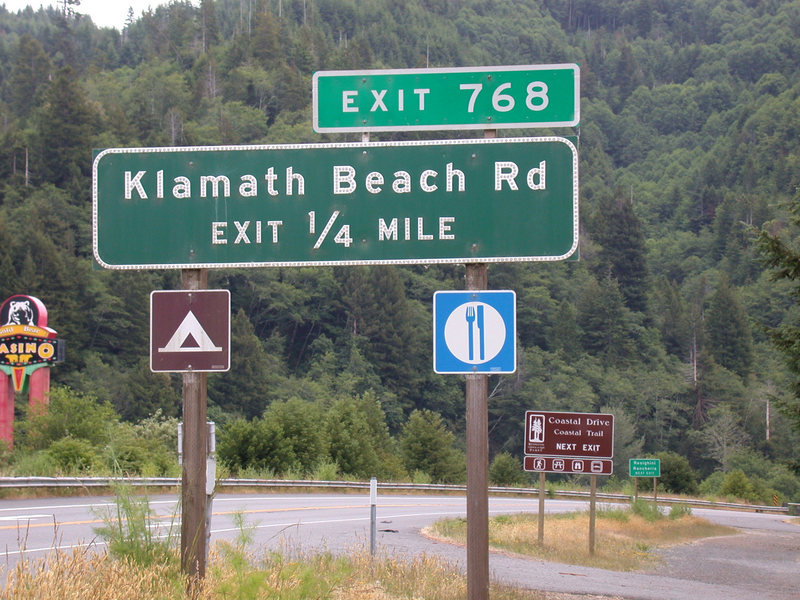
{"type": "Point", "coordinates": [456, 201]}
{"type": "Point", "coordinates": [446, 99]}
{"type": "Point", "coordinates": [578, 435]}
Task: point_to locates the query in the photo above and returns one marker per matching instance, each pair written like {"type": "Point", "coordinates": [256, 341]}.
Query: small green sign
{"type": "Point", "coordinates": [428, 202]}
{"type": "Point", "coordinates": [644, 467]}
{"type": "Point", "coordinates": [442, 99]}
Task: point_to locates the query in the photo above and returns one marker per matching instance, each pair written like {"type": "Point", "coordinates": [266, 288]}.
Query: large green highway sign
{"type": "Point", "coordinates": [492, 200]}
{"type": "Point", "coordinates": [440, 99]}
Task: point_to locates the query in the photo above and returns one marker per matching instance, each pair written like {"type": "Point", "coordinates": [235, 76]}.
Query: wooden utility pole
{"type": "Point", "coordinates": [477, 397]}
{"type": "Point", "coordinates": [195, 441]}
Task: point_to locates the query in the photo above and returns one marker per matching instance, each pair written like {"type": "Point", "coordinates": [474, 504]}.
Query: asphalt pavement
{"type": "Point", "coordinates": [761, 561]}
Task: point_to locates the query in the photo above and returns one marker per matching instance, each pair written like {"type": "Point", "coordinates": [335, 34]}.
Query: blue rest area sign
{"type": "Point", "coordinates": [474, 331]}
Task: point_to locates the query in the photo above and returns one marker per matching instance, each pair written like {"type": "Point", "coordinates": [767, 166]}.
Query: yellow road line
{"type": "Point", "coordinates": [21, 524]}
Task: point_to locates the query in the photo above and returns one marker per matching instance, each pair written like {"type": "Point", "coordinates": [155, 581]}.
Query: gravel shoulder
{"type": "Point", "coordinates": [762, 561]}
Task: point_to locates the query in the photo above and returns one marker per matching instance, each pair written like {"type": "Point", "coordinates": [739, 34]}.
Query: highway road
{"type": "Point", "coordinates": [762, 561]}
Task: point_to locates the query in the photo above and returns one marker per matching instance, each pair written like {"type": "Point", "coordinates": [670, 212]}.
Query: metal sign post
{"type": "Point", "coordinates": [540, 539]}
{"type": "Point", "coordinates": [592, 513]}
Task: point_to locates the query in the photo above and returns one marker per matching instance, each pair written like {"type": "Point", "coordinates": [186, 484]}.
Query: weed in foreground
{"type": "Point", "coordinates": [84, 574]}
{"type": "Point", "coordinates": [358, 576]}
{"type": "Point", "coordinates": [131, 532]}
{"type": "Point", "coordinates": [646, 510]}
{"type": "Point", "coordinates": [132, 572]}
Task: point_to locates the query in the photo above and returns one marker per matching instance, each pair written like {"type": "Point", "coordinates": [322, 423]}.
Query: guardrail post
{"type": "Point", "coordinates": [373, 514]}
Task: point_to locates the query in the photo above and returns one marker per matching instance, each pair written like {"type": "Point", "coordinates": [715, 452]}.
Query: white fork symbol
{"type": "Point", "coordinates": [470, 324]}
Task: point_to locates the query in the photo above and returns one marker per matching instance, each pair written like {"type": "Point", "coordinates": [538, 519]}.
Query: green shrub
{"type": "Point", "coordinates": [677, 475]}
{"type": "Point", "coordinates": [787, 484]}
{"type": "Point", "coordinates": [767, 477]}
{"type": "Point", "coordinates": [127, 455]}
{"type": "Point", "coordinates": [421, 477]}
{"type": "Point", "coordinates": [70, 414]}
{"type": "Point", "coordinates": [256, 444]}
{"type": "Point", "coordinates": [33, 464]}
{"type": "Point", "coordinates": [678, 511]}
{"type": "Point", "coordinates": [326, 471]}
{"type": "Point", "coordinates": [301, 430]}
{"type": "Point", "coordinates": [506, 470]}
{"type": "Point", "coordinates": [711, 485]}
{"type": "Point", "coordinates": [427, 445]}
{"type": "Point", "coordinates": [647, 510]}
{"type": "Point", "coordinates": [737, 485]}
{"type": "Point", "coordinates": [72, 455]}
{"type": "Point", "coordinates": [614, 514]}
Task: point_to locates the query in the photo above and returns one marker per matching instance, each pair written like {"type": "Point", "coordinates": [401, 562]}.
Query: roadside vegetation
{"type": "Point", "coordinates": [142, 562]}
{"type": "Point", "coordinates": [343, 440]}
{"type": "Point", "coordinates": [347, 439]}
{"type": "Point", "coordinates": [626, 539]}
{"type": "Point", "coordinates": [142, 565]}
{"type": "Point", "coordinates": [237, 575]}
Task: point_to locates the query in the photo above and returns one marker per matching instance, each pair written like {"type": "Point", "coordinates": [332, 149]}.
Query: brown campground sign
{"type": "Point", "coordinates": [190, 330]}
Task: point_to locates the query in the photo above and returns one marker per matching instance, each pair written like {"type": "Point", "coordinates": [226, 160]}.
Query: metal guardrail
{"type": "Point", "coordinates": [107, 482]}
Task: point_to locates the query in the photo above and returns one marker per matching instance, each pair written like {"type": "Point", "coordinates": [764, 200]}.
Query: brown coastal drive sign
{"type": "Point", "coordinates": [579, 435]}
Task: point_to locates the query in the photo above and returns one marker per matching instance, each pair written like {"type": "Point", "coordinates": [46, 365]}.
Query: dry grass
{"type": "Point", "coordinates": [84, 574]}
{"type": "Point", "coordinates": [233, 575]}
{"type": "Point", "coordinates": [623, 541]}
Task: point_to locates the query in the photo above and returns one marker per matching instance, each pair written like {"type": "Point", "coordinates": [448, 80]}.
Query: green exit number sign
{"type": "Point", "coordinates": [441, 99]}
{"type": "Point", "coordinates": [644, 467]}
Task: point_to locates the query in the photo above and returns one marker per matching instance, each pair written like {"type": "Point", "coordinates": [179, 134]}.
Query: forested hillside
{"type": "Point", "coordinates": [689, 140]}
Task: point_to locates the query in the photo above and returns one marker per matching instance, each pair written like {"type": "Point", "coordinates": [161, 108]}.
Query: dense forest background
{"type": "Point", "coordinates": [689, 140]}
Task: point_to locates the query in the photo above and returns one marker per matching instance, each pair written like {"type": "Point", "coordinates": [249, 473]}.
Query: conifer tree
{"type": "Point", "coordinates": [604, 321]}
{"type": "Point", "coordinates": [65, 128]}
{"type": "Point", "coordinates": [28, 76]}
{"type": "Point", "coordinates": [783, 257]}
{"type": "Point", "coordinates": [729, 335]}
{"type": "Point", "coordinates": [249, 386]}
{"type": "Point", "coordinates": [623, 252]}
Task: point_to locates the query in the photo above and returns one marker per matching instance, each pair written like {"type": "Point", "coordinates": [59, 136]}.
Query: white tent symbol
{"type": "Point", "coordinates": [190, 327]}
